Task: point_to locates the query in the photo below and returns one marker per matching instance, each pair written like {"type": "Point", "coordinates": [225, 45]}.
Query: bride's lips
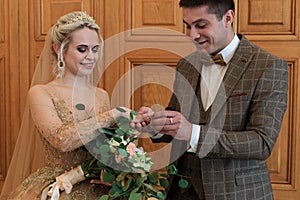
{"type": "Point", "coordinates": [88, 65]}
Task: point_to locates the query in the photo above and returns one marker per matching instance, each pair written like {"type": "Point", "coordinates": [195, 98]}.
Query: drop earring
{"type": "Point", "coordinates": [61, 69]}
{"type": "Point", "coordinates": [60, 66]}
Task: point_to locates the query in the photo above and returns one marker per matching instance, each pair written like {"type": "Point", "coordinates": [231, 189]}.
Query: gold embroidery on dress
{"type": "Point", "coordinates": [58, 162]}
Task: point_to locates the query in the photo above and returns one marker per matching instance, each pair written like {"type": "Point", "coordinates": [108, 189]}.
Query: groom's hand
{"type": "Point", "coordinates": [171, 123]}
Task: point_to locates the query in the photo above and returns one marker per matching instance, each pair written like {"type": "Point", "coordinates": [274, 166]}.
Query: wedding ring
{"type": "Point", "coordinates": [171, 120]}
{"type": "Point", "coordinates": [147, 120]}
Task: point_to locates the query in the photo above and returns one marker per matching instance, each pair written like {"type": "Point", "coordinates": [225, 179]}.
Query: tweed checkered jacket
{"type": "Point", "coordinates": [242, 127]}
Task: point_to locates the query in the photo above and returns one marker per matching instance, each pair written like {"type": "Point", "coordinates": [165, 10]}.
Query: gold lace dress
{"type": "Point", "coordinates": [57, 163]}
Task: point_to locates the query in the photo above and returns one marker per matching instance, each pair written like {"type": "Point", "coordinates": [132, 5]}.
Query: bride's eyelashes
{"type": "Point", "coordinates": [84, 48]}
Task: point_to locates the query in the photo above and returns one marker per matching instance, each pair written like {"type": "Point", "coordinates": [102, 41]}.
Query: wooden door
{"type": "Point", "coordinates": [144, 40]}
{"type": "Point", "coordinates": [275, 26]}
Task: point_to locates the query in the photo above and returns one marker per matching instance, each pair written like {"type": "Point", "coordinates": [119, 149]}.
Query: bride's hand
{"type": "Point", "coordinates": [143, 119]}
{"type": "Point", "coordinates": [100, 181]}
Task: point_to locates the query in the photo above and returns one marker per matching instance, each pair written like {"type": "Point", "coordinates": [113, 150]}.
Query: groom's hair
{"type": "Point", "coordinates": [217, 7]}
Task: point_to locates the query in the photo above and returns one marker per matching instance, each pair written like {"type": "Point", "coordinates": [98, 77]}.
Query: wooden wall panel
{"type": "Point", "coordinates": [153, 13]}
{"type": "Point", "coordinates": [2, 90]}
{"type": "Point", "coordinates": [284, 163]}
{"type": "Point", "coordinates": [51, 10]}
{"type": "Point", "coordinates": [4, 64]}
{"type": "Point", "coordinates": [269, 19]}
{"type": "Point", "coordinates": [2, 23]}
{"type": "Point", "coordinates": [280, 163]}
{"type": "Point", "coordinates": [148, 18]}
{"type": "Point", "coordinates": [150, 88]}
{"type": "Point", "coordinates": [274, 26]}
{"type": "Point", "coordinates": [154, 89]}
{"type": "Point", "coordinates": [2, 119]}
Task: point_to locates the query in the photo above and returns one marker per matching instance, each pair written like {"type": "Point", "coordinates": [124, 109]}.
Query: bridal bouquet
{"type": "Point", "coordinates": [116, 159]}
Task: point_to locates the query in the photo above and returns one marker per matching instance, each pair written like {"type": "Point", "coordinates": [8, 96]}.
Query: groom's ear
{"type": "Point", "coordinates": [56, 48]}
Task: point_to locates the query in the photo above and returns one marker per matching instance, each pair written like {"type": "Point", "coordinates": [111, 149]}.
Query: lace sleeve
{"type": "Point", "coordinates": [64, 135]}
{"type": "Point", "coordinates": [69, 136]}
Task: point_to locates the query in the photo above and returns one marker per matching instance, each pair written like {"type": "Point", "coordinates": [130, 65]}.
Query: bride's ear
{"type": "Point", "coordinates": [56, 48]}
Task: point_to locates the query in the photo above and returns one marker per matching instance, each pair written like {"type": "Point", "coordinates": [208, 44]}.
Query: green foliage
{"type": "Point", "coordinates": [133, 179]}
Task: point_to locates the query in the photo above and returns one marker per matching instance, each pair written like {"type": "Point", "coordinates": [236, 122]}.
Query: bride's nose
{"type": "Point", "coordinates": [90, 55]}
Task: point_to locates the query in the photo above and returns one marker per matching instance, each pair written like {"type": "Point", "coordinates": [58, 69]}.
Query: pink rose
{"type": "Point", "coordinates": [131, 149]}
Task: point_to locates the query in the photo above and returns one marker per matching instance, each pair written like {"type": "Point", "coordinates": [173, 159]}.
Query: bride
{"type": "Point", "coordinates": [63, 109]}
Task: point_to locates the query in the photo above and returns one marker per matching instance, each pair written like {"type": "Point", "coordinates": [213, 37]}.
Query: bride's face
{"type": "Point", "coordinates": [83, 52]}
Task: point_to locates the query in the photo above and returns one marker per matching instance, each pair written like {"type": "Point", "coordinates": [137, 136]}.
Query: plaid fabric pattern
{"type": "Point", "coordinates": [242, 127]}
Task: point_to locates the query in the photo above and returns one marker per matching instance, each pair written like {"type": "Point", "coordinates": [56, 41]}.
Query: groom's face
{"type": "Point", "coordinates": [206, 30]}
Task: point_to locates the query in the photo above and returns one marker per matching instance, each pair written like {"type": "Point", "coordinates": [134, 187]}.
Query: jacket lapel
{"type": "Point", "coordinates": [236, 69]}
{"type": "Point", "coordinates": [192, 79]}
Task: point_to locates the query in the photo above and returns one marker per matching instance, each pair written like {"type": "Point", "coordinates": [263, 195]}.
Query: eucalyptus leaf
{"type": "Point", "coordinates": [104, 149]}
{"type": "Point", "coordinates": [153, 177]}
{"type": "Point", "coordinates": [101, 165]}
{"type": "Point", "coordinates": [164, 182]}
{"type": "Point", "coordinates": [125, 127]}
{"type": "Point", "coordinates": [108, 177]}
{"type": "Point", "coordinates": [122, 146]}
{"type": "Point", "coordinates": [106, 131]}
{"type": "Point", "coordinates": [104, 197]}
{"type": "Point", "coordinates": [98, 143]}
{"type": "Point", "coordinates": [117, 187]}
{"type": "Point", "coordinates": [123, 123]}
{"type": "Point", "coordinates": [119, 131]}
{"type": "Point", "coordinates": [121, 176]}
{"type": "Point", "coordinates": [105, 153]}
{"type": "Point", "coordinates": [80, 106]}
{"type": "Point", "coordinates": [141, 180]}
{"type": "Point", "coordinates": [96, 150]}
{"type": "Point", "coordinates": [135, 196]}
{"type": "Point", "coordinates": [121, 109]}
{"type": "Point", "coordinates": [132, 114]}
{"type": "Point", "coordinates": [123, 152]}
{"type": "Point", "coordinates": [117, 139]}
{"type": "Point", "coordinates": [150, 187]}
{"type": "Point", "coordinates": [183, 183]}
{"type": "Point", "coordinates": [127, 184]}
{"type": "Point", "coordinates": [115, 195]}
{"type": "Point", "coordinates": [135, 190]}
{"type": "Point", "coordinates": [172, 169]}
{"type": "Point", "coordinates": [161, 195]}
{"type": "Point", "coordinates": [165, 175]}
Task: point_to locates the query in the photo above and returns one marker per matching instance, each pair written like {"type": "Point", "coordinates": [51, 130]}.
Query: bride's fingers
{"type": "Point", "coordinates": [100, 181]}
{"type": "Point", "coordinates": [96, 181]}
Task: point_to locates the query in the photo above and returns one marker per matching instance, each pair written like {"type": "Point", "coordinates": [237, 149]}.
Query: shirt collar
{"type": "Point", "coordinates": [229, 50]}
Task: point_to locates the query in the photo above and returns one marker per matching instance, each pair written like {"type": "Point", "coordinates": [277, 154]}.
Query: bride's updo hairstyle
{"type": "Point", "coordinates": [61, 32]}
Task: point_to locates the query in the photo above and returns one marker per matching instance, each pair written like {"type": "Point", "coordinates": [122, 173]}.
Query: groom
{"type": "Point", "coordinates": [223, 118]}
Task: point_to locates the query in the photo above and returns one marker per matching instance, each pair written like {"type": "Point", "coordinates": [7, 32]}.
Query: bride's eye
{"type": "Point", "coordinates": [95, 49]}
{"type": "Point", "coordinates": [81, 49]}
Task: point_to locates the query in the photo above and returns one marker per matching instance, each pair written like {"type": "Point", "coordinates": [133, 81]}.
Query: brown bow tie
{"type": "Point", "coordinates": [218, 59]}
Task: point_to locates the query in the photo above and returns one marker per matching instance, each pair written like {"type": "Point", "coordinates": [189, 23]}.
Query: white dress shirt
{"type": "Point", "coordinates": [211, 79]}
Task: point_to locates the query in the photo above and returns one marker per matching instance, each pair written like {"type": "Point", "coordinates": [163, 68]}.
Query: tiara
{"type": "Point", "coordinates": [83, 17]}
